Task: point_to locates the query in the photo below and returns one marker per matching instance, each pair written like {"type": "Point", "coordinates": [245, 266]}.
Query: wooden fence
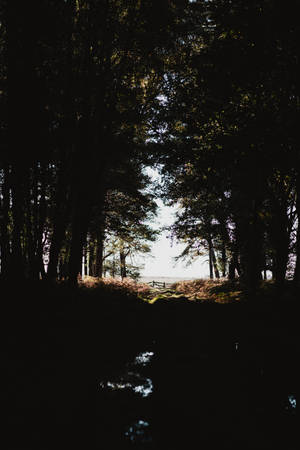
{"type": "Point", "coordinates": [160, 284]}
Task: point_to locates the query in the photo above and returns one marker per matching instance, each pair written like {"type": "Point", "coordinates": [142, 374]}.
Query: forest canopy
{"type": "Point", "coordinates": [206, 91]}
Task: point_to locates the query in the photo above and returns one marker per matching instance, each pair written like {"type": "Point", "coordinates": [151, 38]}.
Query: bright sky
{"type": "Point", "coordinates": [162, 263]}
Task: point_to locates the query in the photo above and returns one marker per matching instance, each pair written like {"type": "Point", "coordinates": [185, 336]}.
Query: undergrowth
{"type": "Point", "coordinates": [220, 291]}
{"type": "Point", "coordinates": [125, 286]}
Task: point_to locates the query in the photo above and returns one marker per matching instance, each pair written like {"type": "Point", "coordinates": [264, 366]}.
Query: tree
{"type": "Point", "coordinates": [231, 101]}
{"type": "Point", "coordinates": [89, 85]}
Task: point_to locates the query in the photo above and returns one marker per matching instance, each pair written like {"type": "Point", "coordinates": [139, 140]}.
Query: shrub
{"type": "Point", "coordinates": [214, 290]}
{"type": "Point", "coordinates": [126, 286]}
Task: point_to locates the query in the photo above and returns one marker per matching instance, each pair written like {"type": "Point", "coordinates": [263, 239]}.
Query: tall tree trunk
{"type": "Point", "coordinates": [87, 253]}
{"type": "Point", "coordinates": [224, 260]}
{"type": "Point", "coordinates": [280, 243]}
{"type": "Point", "coordinates": [224, 243]}
{"type": "Point", "coordinates": [82, 209]}
{"type": "Point", "coordinates": [113, 268]}
{"type": "Point", "coordinates": [281, 260]}
{"type": "Point", "coordinates": [30, 217]}
{"type": "Point", "coordinates": [4, 233]}
{"type": "Point", "coordinates": [214, 261]}
{"type": "Point", "coordinates": [83, 263]}
{"type": "Point", "coordinates": [231, 269]}
{"type": "Point", "coordinates": [60, 222]}
{"type": "Point", "coordinates": [265, 274]}
{"type": "Point", "coordinates": [264, 266]}
{"type": "Point", "coordinates": [17, 266]}
{"type": "Point", "coordinates": [210, 259]}
{"type": "Point", "coordinates": [123, 264]}
{"type": "Point", "coordinates": [85, 193]}
{"type": "Point", "coordinates": [92, 256]}
{"type": "Point", "coordinates": [234, 265]}
{"type": "Point", "coordinates": [99, 255]}
{"type": "Point", "coordinates": [81, 214]}
{"type": "Point", "coordinates": [42, 213]}
{"type": "Point", "coordinates": [296, 279]}
{"type": "Point", "coordinates": [59, 231]}
{"type": "Point", "coordinates": [79, 233]}
{"type": "Point", "coordinates": [251, 250]}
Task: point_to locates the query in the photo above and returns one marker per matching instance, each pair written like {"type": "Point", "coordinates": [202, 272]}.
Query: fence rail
{"type": "Point", "coordinates": [162, 284]}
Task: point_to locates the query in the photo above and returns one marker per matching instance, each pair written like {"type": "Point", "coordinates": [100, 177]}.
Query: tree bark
{"type": "Point", "coordinates": [231, 269]}
{"type": "Point", "coordinates": [42, 213]}
{"type": "Point", "coordinates": [280, 242]}
{"type": "Point", "coordinates": [224, 260]}
{"type": "Point", "coordinates": [123, 264]}
{"type": "Point", "coordinates": [214, 261]}
{"type": "Point", "coordinates": [83, 263]}
{"type": "Point", "coordinates": [60, 222]}
{"type": "Point", "coordinates": [30, 223]}
{"type": "Point", "coordinates": [99, 254]}
{"type": "Point", "coordinates": [17, 266]}
{"type": "Point", "coordinates": [59, 230]}
{"type": "Point", "coordinates": [296, 277]}
{"type": "Point", "coordinates": [113, 268]}
{"type": "Point", "coordinates": [210, 259]}
{"type": "Point", "coordinates": [79, 233]}
{"type": "Point", "coordinates": [251, 249]}
{"type": "Point", "coordinates": [4, 243]}
{"type": "Point", "coordinates": [264, 274]}
{"type": "Point", "coordinates": [224, 244]}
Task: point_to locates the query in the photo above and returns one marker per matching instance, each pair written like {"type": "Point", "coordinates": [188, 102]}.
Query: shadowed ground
{"type": "Point", "coordinates": [151, 376]}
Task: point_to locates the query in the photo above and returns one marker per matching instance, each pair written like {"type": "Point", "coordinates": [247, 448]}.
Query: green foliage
{"type": "Point", "coordinates": [206, 91]}
{"type": "Point", "coordinates": [229, 129]}
{"type": "Point", "coordinates": [89, 85]}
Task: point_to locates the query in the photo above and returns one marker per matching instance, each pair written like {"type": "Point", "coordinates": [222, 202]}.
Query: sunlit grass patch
{"type": "Point", "coordinates": [219, 291]}
{"type": "Point", "coordinates": [168, 297]}
{"type": "Point", "coordinates": [201, 290]}
{"type": "Point", "coordinates": [126, 286]}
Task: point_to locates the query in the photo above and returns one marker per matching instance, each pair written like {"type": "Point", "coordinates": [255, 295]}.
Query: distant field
{"type": "Point", "coordinates": [164, 279]}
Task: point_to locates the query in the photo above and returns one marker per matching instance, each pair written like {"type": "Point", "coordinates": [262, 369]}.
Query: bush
{"type": "Point", "coordinates": [220, 290]}
{"type": "Point", "coordinates": [125, 286]}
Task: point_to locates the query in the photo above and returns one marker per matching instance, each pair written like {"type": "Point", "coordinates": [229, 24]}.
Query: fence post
{"type": "Point", "coordinates": [164, 284]}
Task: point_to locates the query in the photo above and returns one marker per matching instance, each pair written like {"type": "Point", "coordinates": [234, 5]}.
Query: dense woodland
{"type": "Point", "coordinates": [206, 92]}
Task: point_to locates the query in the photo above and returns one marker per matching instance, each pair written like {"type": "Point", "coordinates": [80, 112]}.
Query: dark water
{"type": "Point", "coordinates": [130, 378]}
{"type": "Point", "coordinates": [229, 395]}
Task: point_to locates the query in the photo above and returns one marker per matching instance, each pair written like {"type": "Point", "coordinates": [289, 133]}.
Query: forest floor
{"type": "Point", "coordinates": [152, 369]}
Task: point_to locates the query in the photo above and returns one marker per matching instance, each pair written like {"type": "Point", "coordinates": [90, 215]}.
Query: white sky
{"type": "Point", "coordinates": [162, 264]}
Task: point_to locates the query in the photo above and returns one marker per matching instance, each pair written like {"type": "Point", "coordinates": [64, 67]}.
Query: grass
{"type": "Point", "coordinates": [201, 290]}
{"type": "Point", "coordinates": [125, 286]}
{"type": "Point", "coordinates": [219, 291]}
